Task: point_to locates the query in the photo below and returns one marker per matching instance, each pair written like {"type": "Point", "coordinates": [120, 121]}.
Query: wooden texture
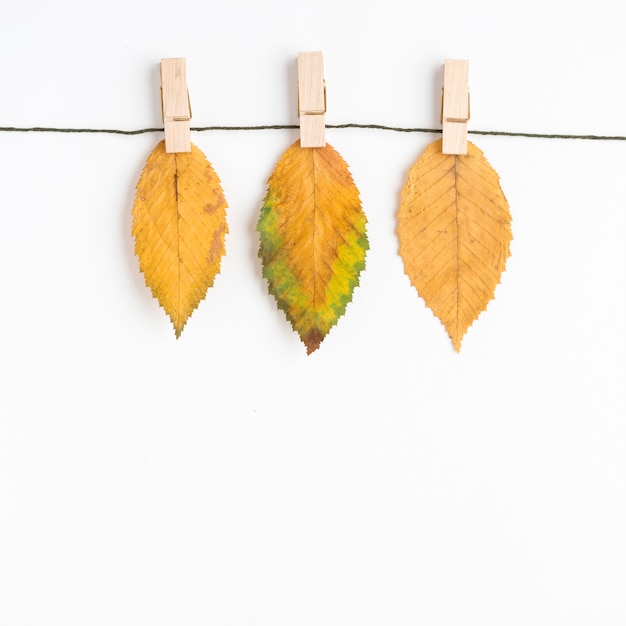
{"type": "Point", "coordinates": [454, 228]}
{"type": "Point", "coordinates": [176, 109]}
{"type": "Point", "coordinates": [311, 100]}
{"type": "Point", "coordinates": [312, 239]}
{"type": "Point", "coordinates": [455, 106]}
{"type": "Point", "coordinates": [179, 224]}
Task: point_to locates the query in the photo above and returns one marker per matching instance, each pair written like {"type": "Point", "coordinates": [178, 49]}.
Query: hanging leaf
{"type": "Point", "coordinates": [454, 228]}
{"type": "Point", "coordinates": [179, 224]}
{"type": "Point", "coordinates": [313, 240]}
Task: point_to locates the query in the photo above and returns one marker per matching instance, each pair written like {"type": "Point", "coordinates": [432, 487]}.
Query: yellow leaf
{"type": "Point", "coordinates": [179, 224]}
{"type": "Point", "coordinates": [454, 228]}
{"type": "Point", "coordinates": [313, 240]}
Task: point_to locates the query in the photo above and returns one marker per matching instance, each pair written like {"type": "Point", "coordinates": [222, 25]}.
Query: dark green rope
{"type": "Point", "coordinates": [398, 129]}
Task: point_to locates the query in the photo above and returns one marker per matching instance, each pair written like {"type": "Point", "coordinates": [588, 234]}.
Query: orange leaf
{"type": "Point", "coordinates": [179, 224]}
{"type": "Point", "coordinates": [313, 239]}
{"type": "Point", "coordinates": [454, 228]}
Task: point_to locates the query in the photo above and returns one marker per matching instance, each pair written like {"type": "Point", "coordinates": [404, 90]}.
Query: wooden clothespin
{"type": "Point", "coordinates": [311, 100]}
{"type": "Point", "coordinates": [455, 109]}
{"type": "Point", "coordinates": [176, 106]}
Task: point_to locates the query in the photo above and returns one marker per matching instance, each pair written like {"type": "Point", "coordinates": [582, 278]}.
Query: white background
{"type": "Point", "coordinates": [227, 479]}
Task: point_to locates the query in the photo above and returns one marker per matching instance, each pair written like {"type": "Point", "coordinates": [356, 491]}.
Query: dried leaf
{"type": "Point", "coordinates": [179, 224]}
{"type": "Point", "coordinates": [454, 228]}
{"type": "Point", "coordinates": [313, 239]}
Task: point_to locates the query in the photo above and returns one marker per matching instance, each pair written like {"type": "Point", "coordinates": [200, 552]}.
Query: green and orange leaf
{"type": "Point", "coordinates": [312, 239]}
{"type": "Point", "coordinates": [454, 228]}
{"type": "Point", "coordinates": [179, 225]}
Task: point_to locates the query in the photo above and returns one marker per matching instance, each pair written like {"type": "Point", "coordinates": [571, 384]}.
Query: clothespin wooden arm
{"type": "Point", "coordinates": [311, 100]}
{"type": "Point", "coordinates": [455, 110]}
{"type": "Point", "coordinates": [176, 106]}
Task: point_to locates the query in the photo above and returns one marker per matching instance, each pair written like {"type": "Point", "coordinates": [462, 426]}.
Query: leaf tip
{"type": "Point", "coordinates": [179, 326]}
{"type": "Point", "coordinates": [312, 340]}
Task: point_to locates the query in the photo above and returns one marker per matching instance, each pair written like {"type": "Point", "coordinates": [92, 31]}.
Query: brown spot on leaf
{"type": "Point", "coordinates": [217, 245]}
{"type": "Point", "coordinates": [217, 202]}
